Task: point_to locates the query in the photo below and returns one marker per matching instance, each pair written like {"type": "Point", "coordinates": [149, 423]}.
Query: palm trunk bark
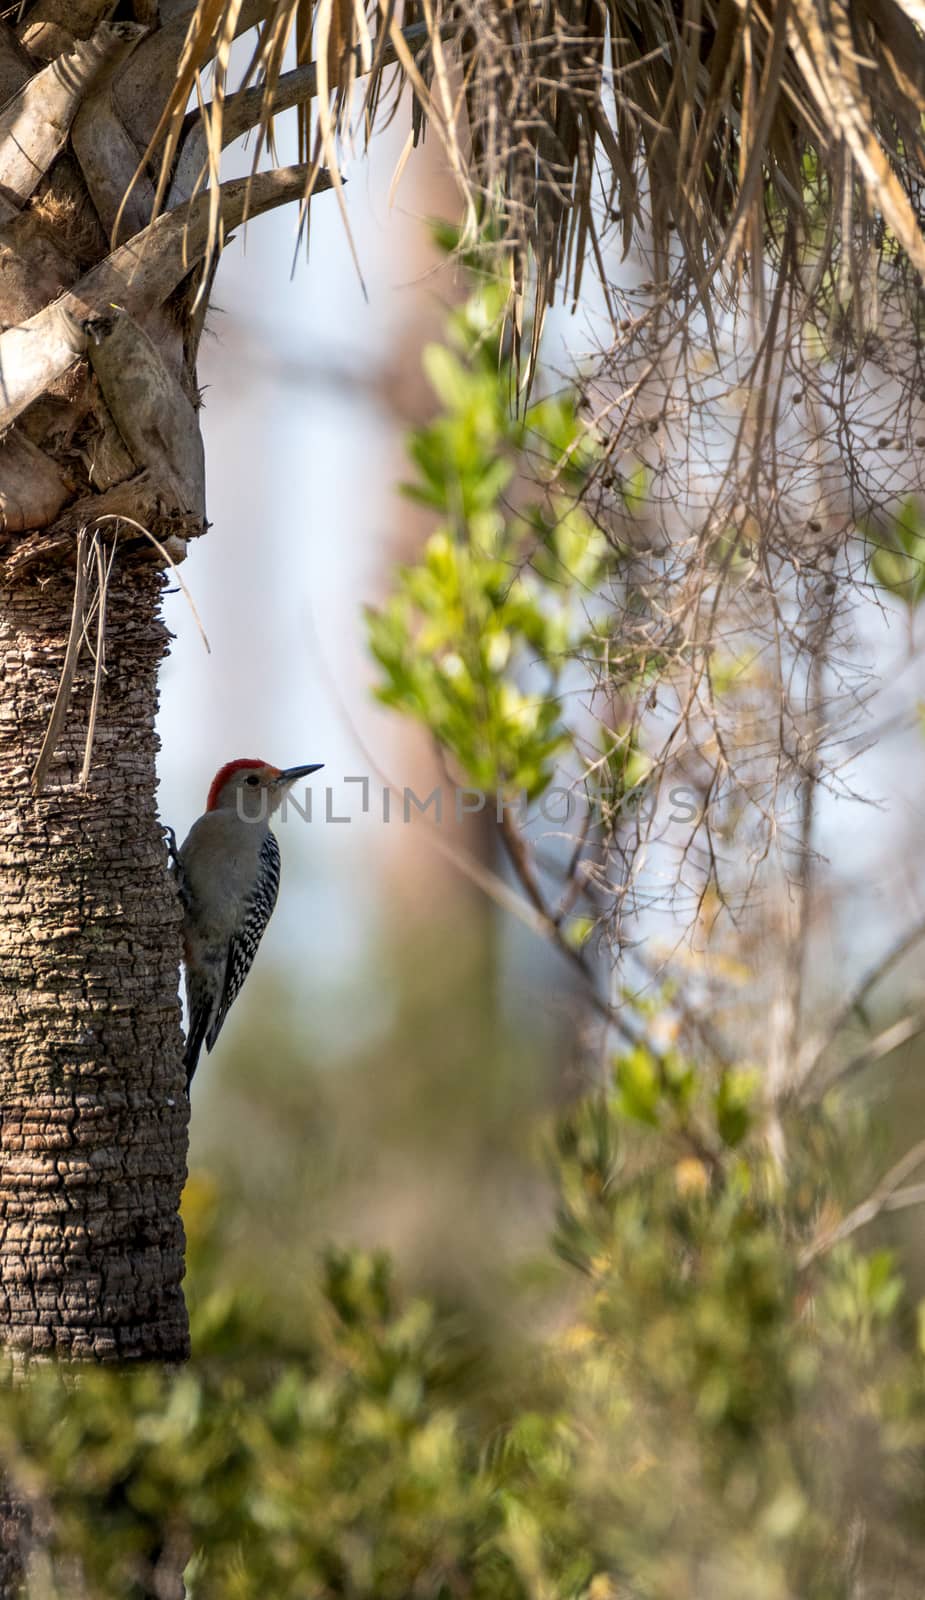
{"type": "Point", "coordinates": [92, 1110]}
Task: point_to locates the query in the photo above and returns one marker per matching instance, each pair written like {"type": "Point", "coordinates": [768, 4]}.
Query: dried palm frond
{"type": "Point", "coordinates": [720, 124]}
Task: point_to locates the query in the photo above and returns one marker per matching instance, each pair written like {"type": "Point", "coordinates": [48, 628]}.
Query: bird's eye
{"type": "Point", "coordinates": [253, 781]}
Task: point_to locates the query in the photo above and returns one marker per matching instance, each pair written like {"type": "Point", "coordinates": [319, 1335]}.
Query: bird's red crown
{"type": "Point", "coordinates": [228, 771]}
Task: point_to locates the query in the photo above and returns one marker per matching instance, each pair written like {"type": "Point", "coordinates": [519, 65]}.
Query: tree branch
{"type": "Point", "coordinates": [815, 1048]}
{"type": "Point", "coordinates": [884, 1044]}
{"type": "Point", "coordinates": [35, 124]}
{"type": "Point", "coordinates": [248, 109]}
{"type": "Point", "coordinates": [33, 488]}
{"type": "Point", "coordinates": [108, 158]}
{"type": "Point", "coordinates": [145, 85]}
{"type": "Point", "coordinates": [883, 1198]}
{"type": "Point", "coordinates": [552, 930]}
{"type": "Point", "coordinates": [140, 274]}
{"type": "Point", "coordinates": [153, 414]}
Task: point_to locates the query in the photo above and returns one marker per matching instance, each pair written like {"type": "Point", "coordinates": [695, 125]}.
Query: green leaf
{"type": "Point", "coordinates": [898, 555]}
{"type": "Point", "coordinates": [448, 378]}
{"type": "Point", "coordinates": [734, 1104]}
{"type": "Point", "coordinates": [635, 490]}
{"type": "Point", "coordinates": [638, 1085]}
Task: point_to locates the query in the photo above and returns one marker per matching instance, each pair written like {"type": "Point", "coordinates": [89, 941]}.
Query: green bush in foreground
{"type": "Point", "coordinates": [709, 1417]}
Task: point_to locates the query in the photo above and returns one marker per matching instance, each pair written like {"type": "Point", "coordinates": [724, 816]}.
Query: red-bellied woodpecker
{"type": "Point", "coordinates": [227, 873]}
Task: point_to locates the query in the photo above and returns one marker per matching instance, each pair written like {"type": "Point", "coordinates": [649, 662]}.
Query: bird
{"type": "Point", "coordinates": [227, 876]}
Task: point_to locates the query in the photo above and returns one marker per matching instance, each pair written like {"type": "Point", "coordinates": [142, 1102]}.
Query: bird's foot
{"type": "Point", "coordinates": [176, 867]}
{"type": "Point", "coordinates": [170, 839]}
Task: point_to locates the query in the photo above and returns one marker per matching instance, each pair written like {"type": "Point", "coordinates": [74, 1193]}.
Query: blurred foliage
{"type": "Point", "coordinates": [475, 638]}
{"type": "Point", "coordinates": [898, 553]}
{"type": "Point", "coordinates": [707, 1391]}
{"type": "Point", "coordinates": [706, 1412]}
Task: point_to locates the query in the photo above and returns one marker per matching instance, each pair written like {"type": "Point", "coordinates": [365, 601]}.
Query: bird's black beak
{"type": "Point", "coordinates": [292, 773]}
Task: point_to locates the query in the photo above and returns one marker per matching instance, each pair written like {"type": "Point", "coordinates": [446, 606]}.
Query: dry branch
{"type": "Point", "coordinates": [33, 488]}
{"type": "Point", "coordinates": [816, 1046]}
{"type": "Point", "coordinates": [138, 275]}
{"type": "Point", "coordinates": [151, 410]}
{"type": "Point", "coordinates": [145, 85]}
{"type": "Point", "coordinates": [248, 108]}
{"type": "Point", "coordinates": [108, 158]}
{"type": "Point", "coordinates": [35, 124]}
{"type": "Point", "coordinates": [866, 1212]}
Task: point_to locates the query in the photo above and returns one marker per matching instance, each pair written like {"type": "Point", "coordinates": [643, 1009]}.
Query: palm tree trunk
{"type": "Point", "coordinates": [92, 1109]}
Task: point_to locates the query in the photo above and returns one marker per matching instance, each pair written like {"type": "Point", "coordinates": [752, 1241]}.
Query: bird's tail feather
{"type": "Point", "coordinates": [198, 1027]}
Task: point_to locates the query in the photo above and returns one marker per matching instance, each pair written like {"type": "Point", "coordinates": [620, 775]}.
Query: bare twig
{"type": "Point", "coordinates": [816, 1047]}
{"type": "Point", "coordinates": [883, 1198]}
{"type": "Point", "coordinates": [519, 858]}
{"type": "Point", "coordinates": [884, 1044]}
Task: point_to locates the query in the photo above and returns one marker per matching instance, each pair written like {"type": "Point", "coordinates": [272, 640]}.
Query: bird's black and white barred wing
{"type": "Point", "coordinates": [243, 946]}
